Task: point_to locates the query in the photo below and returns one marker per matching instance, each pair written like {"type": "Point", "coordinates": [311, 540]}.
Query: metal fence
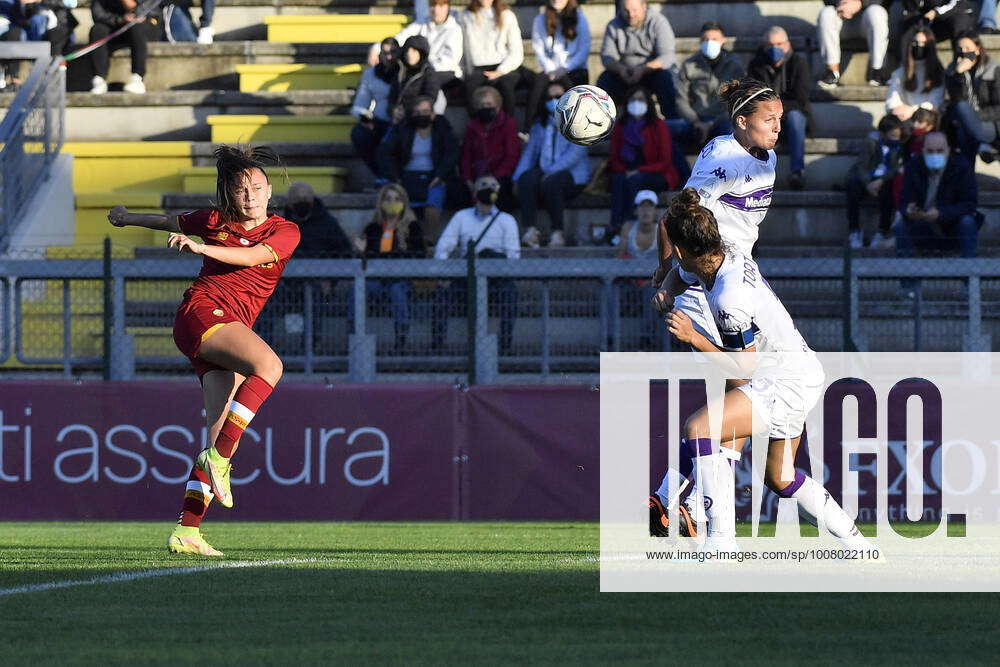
{"type": "Point", "coordinates": [491, 321]}
{"type": "Point", "coordinates": [31, 135]}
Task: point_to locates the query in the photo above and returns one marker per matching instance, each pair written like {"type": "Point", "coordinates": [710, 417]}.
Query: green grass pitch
{"type": "Point", "coordinates": [430, 593]}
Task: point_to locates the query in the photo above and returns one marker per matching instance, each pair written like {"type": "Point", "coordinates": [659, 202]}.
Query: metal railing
{"type": "Point", "coordinates": [31, 135]}
{"type": "Point", "coordinates": [530, 318]}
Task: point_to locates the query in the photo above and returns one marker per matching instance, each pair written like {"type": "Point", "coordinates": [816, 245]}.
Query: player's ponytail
{"type": "Point", "coordinates": [741, 96]}
{"type": "Point", "coordinates": [232, 163]}
{"type": "Point", "coordinates": [692, 226]}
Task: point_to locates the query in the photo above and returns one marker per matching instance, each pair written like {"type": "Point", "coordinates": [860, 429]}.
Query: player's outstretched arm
{"type": "Point", "coordinates": [120, 217]}
{"type": "Point", "coordinates": [252, 256]}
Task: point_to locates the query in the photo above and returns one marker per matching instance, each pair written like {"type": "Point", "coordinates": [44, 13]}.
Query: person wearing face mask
{"type": "Point", "coordinates": [491, 145]}
{"type": "Point", "coordinates": [973, 85]}
{"type": "Point", "coordinates": [639, 241]}
{"type": "Point", "coordinates": [322, 235]}
{"type": "Point", "coordinates": [416, 77]}
{"type": "Point", "coordinates": [495, 235]}
{"type": "Point", "coordinates": [787, 72]}
{"type": "Point", "coordinates": [873, 176]}
{"type": "Point", "coordinates": [393, 233]}
{"type": "Point", "coordinates": [421, 154]}
{"type": "Point", "coordinates": [937, 209]}
{"type": "Point", "coordinates": [371, 104]}
{"type": "Point", "coordinates": [919, 83]}
{"type": "Point", "coordinates": [552, 170]}
{"type": "Point", "coordinates": [945, 19]}
{"type": "Point", "coordinates": [444, 36]}
{"type": "Point", "coordinates": [560, 38]}
{"type": "Point", "coordinates": [640, 157]}
{"type": "Point", "coordinates": [702, 115]}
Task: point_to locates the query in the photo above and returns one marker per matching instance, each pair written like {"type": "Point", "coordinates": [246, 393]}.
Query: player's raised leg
{"type": "Point", "coordinates": [219, 387]}
{"type": "Point", "coordinates": [237, 347]}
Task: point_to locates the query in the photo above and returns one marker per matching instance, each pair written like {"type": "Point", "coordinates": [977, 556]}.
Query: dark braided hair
{"type": "Point", "coordinates": [742, 96]}
{"type": "Point", "coordinates": [232, 163]}
{"type": "Point", "coordinates": [692, 226]}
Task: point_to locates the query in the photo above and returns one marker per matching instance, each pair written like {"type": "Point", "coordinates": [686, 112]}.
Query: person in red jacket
{"type": "Point", "coordinates": [641, 157]}
{"type": "Point", "coordinates": [491, 146]}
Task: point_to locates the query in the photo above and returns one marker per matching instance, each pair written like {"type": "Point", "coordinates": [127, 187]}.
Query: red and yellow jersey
{"type": "Point", "coordinates": [242, 289]}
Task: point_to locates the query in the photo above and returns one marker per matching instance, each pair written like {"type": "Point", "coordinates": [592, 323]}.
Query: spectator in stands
{"type": "Point", "coordinates": [37, 21]}
{"type": "Point", "coordinates": [852, 19]}
{"type": "Point", "coordinates": [394, 232]}
{"type": "Point", "coordinates": [639, 241]}
{"type": "Point", "coordinates": [491, 146]}
{"type": "Point", "coordinates": [321, 233]}
{"type": "Point", "coordinates": [923, 122]}
{"type": "Point", "coordinates": [938, 205]}
{"type": "Point", "coordinates": [638, 48]}
{"type": "Point", "coordinates": [421, 154]}
{"type": "Point", "coordinates": [415, 77]}
{"type": "Point", "coordinates": [109, 15]}
{"type": "Point", "coordinates": [787, 73]}
{"type": "Point", "coordinates": [640, 157]}
{"type": "Point", "coordinates": [371, 104]}
{"type": "Point", "coordinates": [444, 35]}
{"type": "Point", "coordinates": [560, 38]}
{"type": "Point", "coordinates": [495, 234]}
{"type": "Point", "coordinates": [179, 24]}
{"type": "Point", "coordinates": [919, 83]}
{"type": "Point", "coordinates": [701, 113]}
{"type": "Point", "coordinates": [551, 170]}
{"type": "Point", "coordinates": [493, 49]}
{"type": "Point", "coordinates": [973, 84]}
{"type": "Point", "coordinates": [945, 19]}
{"type": "Point", "coordinates": [873, 175]}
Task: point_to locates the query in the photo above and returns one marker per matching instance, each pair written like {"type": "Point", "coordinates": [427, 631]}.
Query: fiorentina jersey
{"type": "Point", "coordinates": [736, 187]}
{"type": "Point", "coordinates": [242, 289]}
{"type": "Point", "coordinates": [746, 310]}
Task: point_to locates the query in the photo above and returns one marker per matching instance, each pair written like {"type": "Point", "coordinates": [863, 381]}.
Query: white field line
{"type": "Point", "coordinates": [122, 577]}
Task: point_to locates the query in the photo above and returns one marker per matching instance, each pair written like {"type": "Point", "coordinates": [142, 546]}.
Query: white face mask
{"type": "Point", "coordinates": [711, 49]}
{"type": "Point", "coordinates": [637, 108]}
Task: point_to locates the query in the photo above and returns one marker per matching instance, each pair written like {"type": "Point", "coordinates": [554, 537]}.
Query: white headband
{"type": "Point", "coordinates": [740, 105]}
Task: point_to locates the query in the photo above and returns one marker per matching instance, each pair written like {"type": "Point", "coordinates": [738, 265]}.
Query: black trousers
{"type": "Point", "coordinates": [135, 39]}
{"type": "Point", "coordinates": [856, 193]}
{"type": "Point", "coordinates": [505, 84]}
{"type": "Point", "coordinates": [554, 191]}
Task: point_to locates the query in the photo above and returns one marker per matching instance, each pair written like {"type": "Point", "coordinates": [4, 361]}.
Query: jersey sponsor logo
{"type": "Point", "coordinates": [758, 200]}
{"type": "Point", "coordinates": [719, 173]}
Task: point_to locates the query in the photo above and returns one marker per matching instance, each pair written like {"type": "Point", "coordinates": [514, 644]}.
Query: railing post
{"type": "Point", "coordinates": [108, 324]}
{"type": "Point", "coordinates": [361, 345]}
{"type": "Point", "coordinates": [975, 339]}
{"type": "Point", "coordinates": [308, 324]}
{"type": "Point", "coordinates": [470, 309]}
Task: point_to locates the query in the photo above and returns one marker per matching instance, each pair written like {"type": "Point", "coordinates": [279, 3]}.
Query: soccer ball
{"type": "Point", "coordinates": [585, 115]}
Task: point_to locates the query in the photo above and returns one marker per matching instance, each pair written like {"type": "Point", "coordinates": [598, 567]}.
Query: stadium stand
{"type": "Point", "coordinates": [283, 72]}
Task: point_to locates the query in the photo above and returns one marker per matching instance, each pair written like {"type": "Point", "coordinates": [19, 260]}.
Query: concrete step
{"type": "Point", "coordinates": [336, 27]}
{"type": "Point", "coordinates": [245, 128]}
{"type": "Point", "coordinates": [324, 180]}
{"type": "Point", "coordinates": [281, 78]}
{"type": "Point", "coordinates": [807, 218]}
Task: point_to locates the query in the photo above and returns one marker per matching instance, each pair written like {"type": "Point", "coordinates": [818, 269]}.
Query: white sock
{"type": "Point", "coordinates": [815, 501]}
{"type": "Point", "coordinates": [716, 482]}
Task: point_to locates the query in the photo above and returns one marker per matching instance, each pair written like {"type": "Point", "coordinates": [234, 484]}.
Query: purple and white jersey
{"type": "Point", "coordinates": [736, 187]}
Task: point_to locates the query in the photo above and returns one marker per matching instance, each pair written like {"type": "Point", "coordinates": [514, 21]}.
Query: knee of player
{"type": "Point", "coordinates": [695, 427]}
{"type": "Point", "coordinates": [773, 480]}
{"type": "Point", "coordinates": [270, 370]}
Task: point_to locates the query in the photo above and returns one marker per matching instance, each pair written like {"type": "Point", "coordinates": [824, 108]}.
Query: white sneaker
{"type": "Point", "coordinates": [880, 240]}
{"type": "Point", "coordinates": [206, 35]}
{"type": "Point", "coordinates": [557, 240]}
{"type": "Point", "coordinates": [98, 86]}
{"type": "Point", "coordinates": [530, 237]}
{"type": "Point", "coordinates": [135, 85]}
{"type": "Point", "coordinates": [855, 240]}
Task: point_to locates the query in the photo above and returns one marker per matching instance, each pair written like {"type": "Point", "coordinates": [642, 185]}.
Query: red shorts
{"type": "Point", "coordinates": [196, 320]}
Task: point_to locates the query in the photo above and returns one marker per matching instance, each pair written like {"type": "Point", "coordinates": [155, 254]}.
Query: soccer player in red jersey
{"type": "Point", "coordinates": [245, 250]}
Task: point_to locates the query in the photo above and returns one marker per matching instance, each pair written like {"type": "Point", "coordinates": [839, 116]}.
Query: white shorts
{"type": "Point", "coordinates": [781, 404]}
{"type": "Point", "coordinates": [694, 304]}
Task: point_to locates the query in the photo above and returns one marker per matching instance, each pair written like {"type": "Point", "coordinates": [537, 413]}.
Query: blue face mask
{"type": "Point", "coordinates": [935, 161]}
{"type": "Point", "coordinates": [551, 105]}
{"type": "Point", "coordinates": [775, 55]}
{"type": "Point", "coordinates": [711, 49]}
